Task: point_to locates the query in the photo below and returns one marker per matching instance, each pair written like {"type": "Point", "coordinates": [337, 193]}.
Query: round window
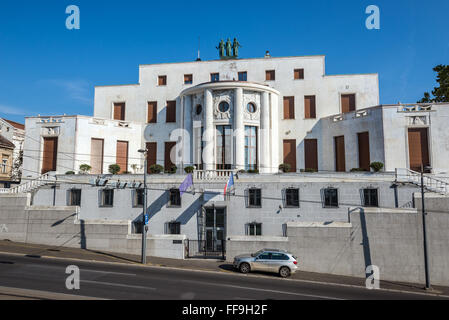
{"type": "Point", "coordinates": [199, 109]}
{"type": "Point", "coordinates": [223, 106]}
{"type": "Point", "coordinates": [251, 107]}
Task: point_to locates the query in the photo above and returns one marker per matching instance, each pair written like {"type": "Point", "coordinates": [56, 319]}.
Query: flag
{"type": "Point", "coordinates": [188, 182]}
{"type": "Point", "coordinates": [230, 184]}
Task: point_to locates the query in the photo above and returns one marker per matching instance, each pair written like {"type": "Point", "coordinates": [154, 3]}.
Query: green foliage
{"type": "Point", "coordinates": [85, 168]}
{"type": "Point", "coordinates": [285, 167]}
{"type": "Point", "coordinates": [253, 171]}
{"type": "Point", "coordinates": [441, 93]}
{"type": "Point", "coordinates": [308, 170]}
{"type": "Point", "coordinates": [189, 169]}
{"type": "Point", "coordinates": [358, 170]}
{"type": "Point", "coordinates": [114, 169]}
{"type": "Point", "coordinates": [377, 166]}
{"type": "Point", "coordinates": [156, 168]}
{"type": "Point", "coordinates": [172, 170]}
{"type": "Point", "coordinates": [70, 173]}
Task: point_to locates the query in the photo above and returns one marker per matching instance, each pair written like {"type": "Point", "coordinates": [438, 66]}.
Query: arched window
{"type": "Point", "coordinates": [251, 107]}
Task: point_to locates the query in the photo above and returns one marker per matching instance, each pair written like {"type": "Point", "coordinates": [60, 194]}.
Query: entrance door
{"type": "Point", "coordinates": [50, 155]}
{"type": "Point", "coordinates": [340, 160]}
{"type": "Point", "coordinates": [215, 229]}
{"type": "Point", "coordinates": [418, 147]}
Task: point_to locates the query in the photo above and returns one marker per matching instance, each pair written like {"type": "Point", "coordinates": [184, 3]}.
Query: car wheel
{"type": "Point", "coordinates": [245, 268]}
{"type": "Point", "coordinates": [284, 272]}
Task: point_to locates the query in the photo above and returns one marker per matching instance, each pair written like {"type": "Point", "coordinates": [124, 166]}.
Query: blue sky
{"type": "Point", "coordinates": [46, 69]}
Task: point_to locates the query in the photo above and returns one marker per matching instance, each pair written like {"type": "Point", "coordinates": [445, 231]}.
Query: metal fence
{"type": "Point", "coordinates": [206, 249]}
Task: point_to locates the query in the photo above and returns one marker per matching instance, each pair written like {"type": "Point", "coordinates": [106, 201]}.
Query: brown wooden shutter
{"type": "Point", "coordinates": [347, 103]}
{"type": "Point", "coordinates": [96, 156]}
{"type": "Point", "coordinates": [122, 155]}
{"type": "Point", "coordinates": [418, 146]}
{"type": "Point", "coordinates": [364, 151]}
{"type": "Point", "coordinates": [119, 111]}
{"type": "Point", "coordinates": [162, 80]}
{"type": "Point", "coordinates": [270, 75]}
{"type": "Point", "coordinates": [168, 147]}
{"type": "Point", "coordinates": [310, 107]}
{"type": "Point", "coordinates": [50, 155]}
{"type": "Point", "coordinates": [299, 74]}
{"type": "Point", "coordinates": [311, 154]}
{"type": "Point", "coordinates": [340, 158]}
{"type": "Point", "coordinates": [290, 154]}
{"type": "Point", "coordinates": [152, 112]}
{"type": "Point", "coordinates": [289, 107]}
{"type": "Point", "coordinates": [151, 154]}
{"type": "Point", "coordinates": [171, 111]}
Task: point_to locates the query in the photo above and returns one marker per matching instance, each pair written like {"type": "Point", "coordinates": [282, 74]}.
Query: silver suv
{"type": "Point", "coordinates": [267, 260]}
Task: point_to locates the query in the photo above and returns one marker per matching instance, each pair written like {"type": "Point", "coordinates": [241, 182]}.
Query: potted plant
{"type": "Point", "coordinates": [377, 166]}
{"type": "Point", "coordinates": [285, 167]}
{"type": "Point", "coordinates": [114, 168]}
{"type": "Point", "coordinates": [172, 170]}
{"type": "Point", "coordinates": [85, 168]}
{"type": "Point", "coordinates": [189, 169]}
{"type": "Point", "coordinates": [156, 168]}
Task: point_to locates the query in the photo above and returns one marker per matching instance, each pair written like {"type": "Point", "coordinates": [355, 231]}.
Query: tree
{"type": "Point", "coordinates": [114, 168]}
{"type": "Point", "coordinates": [85, 168]}
{"type": "Point", "coordinates": [441, 93]}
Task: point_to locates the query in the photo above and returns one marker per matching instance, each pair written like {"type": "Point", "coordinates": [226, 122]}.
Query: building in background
{"type": "Point", "coordinates": [14, 133]}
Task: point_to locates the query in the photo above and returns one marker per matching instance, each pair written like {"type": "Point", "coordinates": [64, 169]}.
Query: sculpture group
{"type": "Point", "coordinates": [228, 50]}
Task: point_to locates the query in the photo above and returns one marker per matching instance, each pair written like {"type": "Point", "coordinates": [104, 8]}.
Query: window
{"type": "Point", "coordinates": [199, 147]}
{"type": "Point", "coordinates": [251, 107]}
{"type": "Point", "coordinates": [74, 197]}
{"type": "Point", "coordinates": [50, 155]}
{"type": "Point", "coordinates": [170, 149]}
{"type": "Point", "coordinates": [250, 148]}
{"type": "Point", "coordinates": [289, 108]}
{"type": "Point", "coordinates": [292, 198]}
{"type": "Point", "coordinates": [214, 77]}
{"type": "Point", "coordinates": [243, 76]}
{"type": "Point", "coordinates": [223, 106]}
{"type": "Point", "coordinates": [309, 107]}
{"type": "Point", "coordinates": [106, 198]}
{"type": "Point", "coordinates": [5, 164]}
{"type": "Point", "coordinates": [175, 198]}
{"type": "Point", "coordinates": [255, 198]}
{"type": "Point", "coordinates": [370, 197]}
{"type": "Point", "coordinates": [254, 229]}
{"type": "Point", "coordinates": [162, 80]}
{"type": "Point", "coordinates": [279, 256]}
{"type": "Point", "coordinates": [330, 198]}
{"type": "Point", "coordinates": [138, 198]}
{"type": "Point", "coordinates": [198, 110]}
{"type": "Point", "coordinates": [119, 111]}
{"type": "Point", "coordinates": [223, 143]}
{"type": "Point", "coordinates": [270, 75]}
{"type": "Point", "coordinates": [171, 112]}
{"type": "Point", "coordinates": [347, 103]}
{"type": "Point", "coordinates": [188, 78]}
{"type": "Point", "coordinates": [299, 74]}
{"type": "Point", "coordinates": [174, 227]}
{"type": "Point", "coordinates": [152, 112]}
{"type": "Point", "coordinates": [122, 156]}
{"type": "Point", "coordinates": [340, 157]}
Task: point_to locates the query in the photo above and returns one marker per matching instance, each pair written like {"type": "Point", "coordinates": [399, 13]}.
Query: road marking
{"type": "Point", "coordinates": [108, 272]}
{"type": "Point", "coordinates": [118, 285]}
{"type": "Point", "coordinates": [264, 290]}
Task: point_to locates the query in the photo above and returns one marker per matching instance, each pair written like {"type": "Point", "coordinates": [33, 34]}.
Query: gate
{"type": "Point", "coordinates": [206, 249]}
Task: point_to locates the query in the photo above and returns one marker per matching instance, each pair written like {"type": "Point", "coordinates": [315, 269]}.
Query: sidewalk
{"type": "Point", "coordinates": [194, 264]}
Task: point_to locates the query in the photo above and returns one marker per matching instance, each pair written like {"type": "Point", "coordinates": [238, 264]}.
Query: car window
{"type": "Point", "coordinates": [279, 256]}
{"type": "Point", "coordinates": [265, 256]}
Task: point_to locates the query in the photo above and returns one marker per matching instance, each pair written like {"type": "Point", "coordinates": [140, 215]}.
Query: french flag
{"type": "Point", "coordinates": [230, 184]}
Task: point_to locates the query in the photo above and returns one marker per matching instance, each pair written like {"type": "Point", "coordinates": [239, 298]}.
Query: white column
{"type": "Point", "coordinates": [209, 134]}
{"type": "Point", "coordinates": [239, 130]}
{"type": "Point", "coordinates": [187, 131]}
{"type": "Point", "coordinates": [265, 160]}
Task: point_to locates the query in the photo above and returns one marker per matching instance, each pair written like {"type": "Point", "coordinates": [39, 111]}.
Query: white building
{"type": "Point", "coordinates": [241, 114]}
{"type": "Point", "coordinates": [15, 133]}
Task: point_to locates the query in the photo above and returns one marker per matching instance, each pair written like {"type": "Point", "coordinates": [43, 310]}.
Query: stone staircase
{"type": "Point", "coordinates": [430, 183]}
{"type": "Point", "coordinates": [30, 185]}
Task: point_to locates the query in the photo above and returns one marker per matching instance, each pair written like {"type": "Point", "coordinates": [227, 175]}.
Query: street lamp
{"type": "Point", "coordinates": [144, 218]}
{"type": "Point", "coordinates": [426, 258]}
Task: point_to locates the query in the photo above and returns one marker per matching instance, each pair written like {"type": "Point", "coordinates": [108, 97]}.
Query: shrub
{"type": "Point", "coordinates": [253, 171]}
{"type": "Point", "coordinates": [377, 166]}
{"type": "Point", "coordinates": [309, 170]}
{"type": "Point", "coordinates": [189, 169]}
{"type": "Point", "coordinates": [156, 168]}
{"type": "Point", "coordinates": [285, 167]}
{"type": "Point", "coordinates": [114, 168]}
{"type": "Point", "coordinates": [358, 170]}
{"type": "Point", "coordinates": [172, 170]}
{"type": "Point", "coordinates": [85, 168]}
{"type": "Point", "coordinates": [70, 173]}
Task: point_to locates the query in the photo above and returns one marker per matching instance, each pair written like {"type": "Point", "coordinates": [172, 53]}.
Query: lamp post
{"type": "Point", "coordinates": [426, 258]}
{"type": "Point", "coordinates": [144, 225]}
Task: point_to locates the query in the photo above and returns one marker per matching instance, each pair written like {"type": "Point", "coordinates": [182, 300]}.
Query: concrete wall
{"type": "Point", "coordinates": [60, 226]}
{"type": "Point", "coordinates": [390, 239]}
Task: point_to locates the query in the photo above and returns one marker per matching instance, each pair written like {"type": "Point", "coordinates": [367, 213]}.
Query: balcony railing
{"type": "Point", "coordinates": [211, 175]}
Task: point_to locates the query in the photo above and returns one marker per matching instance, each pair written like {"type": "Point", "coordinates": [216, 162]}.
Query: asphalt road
{"type": "Point", "coordinates": [132, 282]}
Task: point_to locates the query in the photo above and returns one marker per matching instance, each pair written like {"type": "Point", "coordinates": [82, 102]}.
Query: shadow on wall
{"type": "Point", "coordinates": [365, 240]}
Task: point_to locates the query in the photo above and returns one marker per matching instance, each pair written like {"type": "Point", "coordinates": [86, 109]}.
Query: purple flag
{"type": "Point", "coordinates": [188, 182]}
